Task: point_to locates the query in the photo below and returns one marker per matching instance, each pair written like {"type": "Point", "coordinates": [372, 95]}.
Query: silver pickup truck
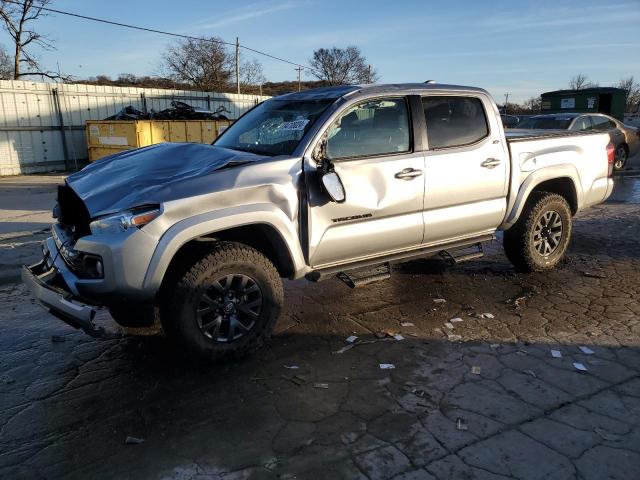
{"type": "Point", "coordinates": [334, 181]}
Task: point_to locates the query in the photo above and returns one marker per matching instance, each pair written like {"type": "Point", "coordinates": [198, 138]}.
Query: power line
{"type": "Point", "coordinates": [162, 32]}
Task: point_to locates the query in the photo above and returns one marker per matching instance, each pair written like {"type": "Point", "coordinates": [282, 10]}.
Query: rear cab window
{"type": "Point", "coordinates": [454, 121]}
{"type": "Point", "coordinates": [374, 127]}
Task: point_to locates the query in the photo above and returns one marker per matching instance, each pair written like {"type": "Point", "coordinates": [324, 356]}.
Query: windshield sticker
{"type": "Point", "coordinates": [295, 125]}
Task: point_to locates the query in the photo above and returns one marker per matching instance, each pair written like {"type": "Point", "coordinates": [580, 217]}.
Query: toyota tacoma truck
{"type": "Point", "coordinates": [339, 181]}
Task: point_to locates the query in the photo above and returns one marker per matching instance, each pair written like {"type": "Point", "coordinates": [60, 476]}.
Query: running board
{"type": "Point", "coordinates": [459, 255]}
{"type": "Point", "coordinates": [365, 277]}
{"type": "Point", "coordinates": [330, 272]}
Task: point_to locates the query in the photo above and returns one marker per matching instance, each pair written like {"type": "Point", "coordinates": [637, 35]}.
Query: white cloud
{"type": "Point", "coordinates": [245, 13]}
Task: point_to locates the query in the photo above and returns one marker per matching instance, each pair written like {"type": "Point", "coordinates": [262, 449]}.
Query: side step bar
{"type": "Point", "coordinates": [330, 272]}
{"type": "Point", "coordinates": [365, 277]}
{"type": "Point", "coordinates": [459, 255]}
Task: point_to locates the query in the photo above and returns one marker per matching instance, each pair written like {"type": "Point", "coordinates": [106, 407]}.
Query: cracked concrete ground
{"type": "Point", "coordinates": [494, 405]}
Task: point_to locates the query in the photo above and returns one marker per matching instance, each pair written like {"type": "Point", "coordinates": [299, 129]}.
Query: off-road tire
{"type": "Point", "coordinates": [135, 315]}
{"type": "Point", "coordinates": [179, 311]}
{"type": "Point", "coordinates": [518, 241]}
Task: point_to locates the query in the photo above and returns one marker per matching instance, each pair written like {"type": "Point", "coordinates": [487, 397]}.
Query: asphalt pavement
{"type": "Point", "coordinates": [496, 375]}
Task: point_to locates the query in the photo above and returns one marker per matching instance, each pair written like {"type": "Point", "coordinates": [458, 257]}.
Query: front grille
{"type": "Point", "coordinates": [72, 212]}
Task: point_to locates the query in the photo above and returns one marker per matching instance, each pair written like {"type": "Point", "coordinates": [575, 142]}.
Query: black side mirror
{"type": "Point", "coordinates": [333, 186]}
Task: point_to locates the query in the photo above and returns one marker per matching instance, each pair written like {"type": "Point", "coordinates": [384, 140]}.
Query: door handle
{"type": "Point", "coordinates": [490, 163]}
{"type": "Point", "coordinates": [408, 174]}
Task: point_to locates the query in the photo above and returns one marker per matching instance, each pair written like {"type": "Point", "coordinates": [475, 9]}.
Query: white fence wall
{"type": "Point", "coordinates": [42, 124]}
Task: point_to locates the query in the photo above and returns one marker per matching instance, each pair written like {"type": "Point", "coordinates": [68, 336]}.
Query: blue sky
{"type": "Point", "coordinates": [523, 48]}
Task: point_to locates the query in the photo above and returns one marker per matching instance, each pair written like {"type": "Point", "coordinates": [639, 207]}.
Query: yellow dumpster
{"type": "Point", "coordinates": [106, 137]}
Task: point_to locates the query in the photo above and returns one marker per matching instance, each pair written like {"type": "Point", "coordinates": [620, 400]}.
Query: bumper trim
{"type": "Point", "coordinates": [59, 302]}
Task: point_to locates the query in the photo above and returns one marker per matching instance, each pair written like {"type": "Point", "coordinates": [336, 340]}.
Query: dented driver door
{"type": "Point", "coordinates": [370, 147]}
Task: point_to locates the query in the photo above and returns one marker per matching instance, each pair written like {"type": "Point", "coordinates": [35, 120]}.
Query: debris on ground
{"type": "Point", "coordinates": [475, 370]}
{"type": "Point", "coordinates": [461, 424]}
{"type": "Point", "coordinates": [494, 345]}
{"type": "Point", "coordinates": [556, 353]}
{"type": "Point", "coordinates": [531, 373]}
{"type": "Point", "coordinates": [291, 367]}
{"type": "Point", "coordinates": [298, 380]}
{"type": "Point", "coordinates": [454, 338]}
{"type": "Point", "coordinates": [351, 339]}
{"type": "Point", "coordinates": [579, 366]}
{"type": "Point", "coordinates": [406, 324]}
{"type": "Point", "coordinates": [57, 338]}
{"type": "Point", "coordinates": [387, 366]}
{"type": "Point", "coordinates": [320, 385]}
{"type": "Point", "coordinates": [482, 315]}
{"type": "Point", "coordinates": [612, 437]}
{"type": "Point", "coordinates": [439, 300]}
{"type": "Point", "coordinates": [455, 320]}
{"type": "Point", "coordinates": [586, 350]}
{"type": "Point", "coordinates": [398, 337]}
{"type": "Point", "coordinates": [391, 333]}
{"type": "Point", "coordinates": [594, 275]}
{"type": "Point", "coordinates": [346, 348]}
{"type": "Point", "coordinates": [418, 392]}
{"type": "Point", "coordinates": [413, 334]}
{"type": "Point", "coordinates": [519, 301]}
{"type": "Point", "coordinates": [449, 325]}
{"type": "Point", "coordinates": [380, 334]}
{"type": "Point", "coordinates": [133, 440]}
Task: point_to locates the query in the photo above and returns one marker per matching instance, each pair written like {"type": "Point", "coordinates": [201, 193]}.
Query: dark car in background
{"type": "Point", "coordinates": [625, 139]}
{"type": "Point", "coordinates": [509, 121]}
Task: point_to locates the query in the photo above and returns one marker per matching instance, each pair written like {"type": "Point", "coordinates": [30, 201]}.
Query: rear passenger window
{"type": "Point", "coordinates": [375, 127]}
{"type": "Point", "coordinates": [454, 121]}
{"type": "Point", "coordinates": [602, 123]}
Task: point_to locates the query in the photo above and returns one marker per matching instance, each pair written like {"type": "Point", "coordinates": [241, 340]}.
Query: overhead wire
{"type": "Point", "coordinates": [162, 32]}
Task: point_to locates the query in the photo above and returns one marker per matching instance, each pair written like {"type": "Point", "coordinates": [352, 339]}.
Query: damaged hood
{"type": "Point", "coordinates": [152, 175]}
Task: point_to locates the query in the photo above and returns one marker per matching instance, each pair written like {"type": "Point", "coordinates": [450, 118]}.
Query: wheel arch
{"type": "Point", "coordinates": [562, 180]}
{"type": "Point", "coordinates": [258, 227]}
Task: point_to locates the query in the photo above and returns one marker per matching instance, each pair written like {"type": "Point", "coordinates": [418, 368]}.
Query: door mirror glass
{"type": "Point", "coordinates": [333, 186]}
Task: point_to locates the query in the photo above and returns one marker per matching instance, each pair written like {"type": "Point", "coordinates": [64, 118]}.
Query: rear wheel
{"type": "Point", "coordinates": [620, 157]}
{"type": "Point", "coordinates": [540, 238]}
{"type": "Point", "coordinates": [226, 304]}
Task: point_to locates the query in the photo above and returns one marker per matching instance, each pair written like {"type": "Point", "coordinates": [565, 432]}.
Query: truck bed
{"type": "Point", "coordinates": [521, 135]}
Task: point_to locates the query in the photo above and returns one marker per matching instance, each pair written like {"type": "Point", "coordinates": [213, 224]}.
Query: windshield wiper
{"type": "Point", "coordinates": [252, 150]}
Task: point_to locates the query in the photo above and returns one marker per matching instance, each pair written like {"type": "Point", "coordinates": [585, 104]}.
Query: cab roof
{"type": "Point", "coordinates": [391, 88]}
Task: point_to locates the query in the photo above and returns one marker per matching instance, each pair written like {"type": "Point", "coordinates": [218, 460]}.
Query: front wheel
{"type": "Point", "coordinates": [226, 304]}
{"type": "Point", "coordinates": [540, 238]}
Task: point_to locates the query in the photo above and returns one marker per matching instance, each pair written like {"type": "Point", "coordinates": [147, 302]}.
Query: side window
{"type": "Point", "coordinates": [582, 123]}
{"type": "Point", "coordinates": [602, 123]}
{"type": "Point", "coordinates": [375, 127]}
{"type": "Point", "coordinates": [454, 121]}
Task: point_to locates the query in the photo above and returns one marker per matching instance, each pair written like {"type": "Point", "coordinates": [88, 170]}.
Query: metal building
{"type": "Point", "coordinates": [607, 100]}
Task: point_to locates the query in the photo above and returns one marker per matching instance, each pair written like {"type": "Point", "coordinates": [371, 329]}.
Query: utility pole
{"type": "Point", "coordinates": [299, 69]}
{"type": "Point", "coordinates": [369, 74]}
{"type": "Point", "coordinates": [506, 102]}
{"type": "Point", "coordinates": [238, 64]}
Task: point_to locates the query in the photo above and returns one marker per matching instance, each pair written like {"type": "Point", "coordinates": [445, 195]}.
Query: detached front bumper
{"type": "Point", "coordinates": [47, 285]}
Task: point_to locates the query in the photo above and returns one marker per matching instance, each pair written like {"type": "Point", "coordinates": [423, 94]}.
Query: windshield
{"type": "Point", "coordinates": [274, 127]}
{"type": "Point", "coordinates": [546, 123]}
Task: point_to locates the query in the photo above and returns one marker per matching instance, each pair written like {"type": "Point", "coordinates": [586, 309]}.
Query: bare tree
{"type": "Point", "coordinates": [338, 66]}
{"type": "Point", "coordinates": [580, 82]}
{"type": "Point", "coordinates": [632, 89]}
{"type": "Point", "coordinates": [6, 65]}
{"type": "Point", "coordinates": [203, 63]}
{"type": "Point", "coordinates": [251, 76]}
{"type": "Point", "coordinates": [533, 105]}
{"type": "Point", "coordinates": [17, 17]}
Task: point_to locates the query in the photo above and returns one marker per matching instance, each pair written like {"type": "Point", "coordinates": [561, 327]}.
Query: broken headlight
{"type": "Point", "coordinates": [123, 221]}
